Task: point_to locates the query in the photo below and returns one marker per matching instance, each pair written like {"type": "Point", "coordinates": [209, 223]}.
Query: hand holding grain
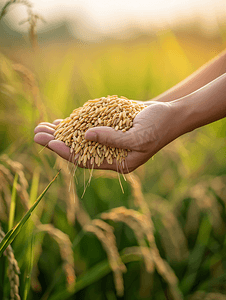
{"type": "Point", "coordinates": [150, 132]}
{"type": "Point", "coordinates": [154, 127]}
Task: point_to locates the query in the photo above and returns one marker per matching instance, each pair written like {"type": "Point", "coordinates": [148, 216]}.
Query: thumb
{"type": "Point", "coordinates": [110, 137]}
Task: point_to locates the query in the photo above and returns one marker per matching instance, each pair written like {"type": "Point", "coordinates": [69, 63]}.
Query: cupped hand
{"type": "Point", "coordinates": [153, 128]}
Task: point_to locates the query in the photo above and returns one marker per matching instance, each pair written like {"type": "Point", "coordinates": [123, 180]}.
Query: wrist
{"type": "Point", "coordinates": [192, 111]}
{"type": "Point", "coordinates": [202, 107]}
{"type": "Point", "coordinates": [186, 114]}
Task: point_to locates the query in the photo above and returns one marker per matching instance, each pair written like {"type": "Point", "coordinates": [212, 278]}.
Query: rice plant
{"type": "Point", "coordinates": [164, 238]}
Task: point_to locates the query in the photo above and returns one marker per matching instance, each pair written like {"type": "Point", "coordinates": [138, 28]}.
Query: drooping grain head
{"type": "Point", "coordinates": [110, 111]}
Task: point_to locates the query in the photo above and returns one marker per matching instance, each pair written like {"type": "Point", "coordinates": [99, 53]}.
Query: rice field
{"type": "Point", "coordinates": [164, 237]}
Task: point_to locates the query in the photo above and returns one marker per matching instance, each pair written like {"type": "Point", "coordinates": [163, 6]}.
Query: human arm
{"type": "Point", "coordinates": [154, 127]}
{"type": "Point", "coordinates": [204, 106]}
{"type": "Point", "coordinates": [161, 123]}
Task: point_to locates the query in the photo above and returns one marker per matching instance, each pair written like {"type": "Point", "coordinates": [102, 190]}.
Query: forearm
{"type": "Point", "coordinates": [195, 81]}
{"type": "Point", "coordinates": [202, 107]}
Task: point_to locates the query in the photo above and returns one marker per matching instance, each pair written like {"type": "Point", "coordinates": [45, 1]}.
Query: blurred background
{"type": "Point", "coordinates": [56, 55]}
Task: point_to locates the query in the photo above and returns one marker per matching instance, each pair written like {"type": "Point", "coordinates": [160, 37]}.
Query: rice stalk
{"type": "Point", "coordinates": [30, 261]}
{"type": "Point", "coordinates": [66, 251]}
{"type": "Point", "coordinates": [35, 284]}
{"type": "Point", "coordinates": [72, 201]}
{"type": "Point", "coordinates": [22, 185]}
{"type": "Point", "coordinates": [135, 184]}
{"type": "Point", "coordinates": [171, 234]}
{"type": "Point", "coordinates": [6, 173]}
{"type": "Point", "coordinates": [140, 223]}
{"type": "Point", "coordinates": [93, 275]}
{"type": "Point", "coordinates": [201, 295]}
{"type": "Point", "coordinates": [13, 203]}
{"type": "Point", "coordinates": [129, 217]}
{"type": "Point", "coordinates": [31, 84]}
{"type": "Point", "coordinates": [73, 205]}
{"type": "Point", "coordinates": [5, 193]}
{"type": "Point", "coordinates": [11, 234]}
{"type": "Point", "coordinates": [162, 267]}
{"type": "Point", "coordinates": [138, 196]}
{"type": "Point", "coordinates": [203, 200]}
{"type": "Point", "coordinates": [146, 278]}
{"type": "Point", "coordinates": [218, 186]}
{"type": "Point", "coordinates": [173, 238]}
{"type": "Point", "coordinates": [27, 281]}
{"type": "Point", "coordinates": [104, 233]}
{"type": "Point", "coordinates": [9, 3]}
{"type": "Point", "coordinates": [32, 19]}
{"type": "Point", "coordinates": [108, 230]}
{"type": "Point", "coordinates": [13, 270]}
{"type": "Point", "coordinates": [142, 226]}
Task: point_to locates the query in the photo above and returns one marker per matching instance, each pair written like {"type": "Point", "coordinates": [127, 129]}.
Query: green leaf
{"type": "Point", "coordinates": [27, 282]}
{"type": "Point", "coordinates": [13, 202]}
{"type": "Point", "coordinates": [10, 236]}
{"type": "Point", "coordinates": [92, 275]}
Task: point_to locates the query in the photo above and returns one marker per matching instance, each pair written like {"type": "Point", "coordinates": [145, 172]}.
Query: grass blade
{"type": "Point", "coordinates": [13, 202]}
{"type": "Point", "coordinates": [196, 255]}
{"type": "Point", "coordinates": [34, 186]}
{"type": "Point", "coordinates": [92, 275]}
{"type": "Point", "coordinates": [29, 270]}
{"type": "Point", "coordinates": [29, 260]}
{"type": "Point", "coordinates": [10, 236]}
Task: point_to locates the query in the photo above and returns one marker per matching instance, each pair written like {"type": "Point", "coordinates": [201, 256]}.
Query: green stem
{"type": "Point", "coordinates": [13, 203]}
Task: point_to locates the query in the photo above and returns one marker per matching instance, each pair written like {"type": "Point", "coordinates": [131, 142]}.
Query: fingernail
{"type": "Point", "coordinates": [91, 136]}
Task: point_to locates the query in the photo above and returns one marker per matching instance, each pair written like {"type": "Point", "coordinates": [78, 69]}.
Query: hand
{"type": "Point", "coordinates": [153, 128]}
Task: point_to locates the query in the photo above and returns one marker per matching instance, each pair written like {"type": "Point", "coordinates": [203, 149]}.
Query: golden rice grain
{"type": "Point", "coordinates": [110, 111]}
{"type": "Point", "coordinates": [13, 270]}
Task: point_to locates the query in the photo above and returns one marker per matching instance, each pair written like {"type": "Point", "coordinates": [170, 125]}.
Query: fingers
{"type": "Point", "coordinates": [47, 127]}
{"type": "Point", "coordinates": [61, 149]}
{"type": "Point", "coordinates": [44, 128]}
{"type": "Point", "coordinates": [44, 135]}
{"type": "Point", "coordinates": [47, 124]}
{"type": "Point", "coordinates": [111, 137]}
{"type": "Point", "coordinates": [132, 161]}
{"type": "Point", "coordinates": [43, 138]}
{"type": "Point", "coordinates": [57, 121]}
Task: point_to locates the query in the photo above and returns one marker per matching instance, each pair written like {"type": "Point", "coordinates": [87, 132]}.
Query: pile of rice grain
{"type": "Point", "coordinates": [110, 111]}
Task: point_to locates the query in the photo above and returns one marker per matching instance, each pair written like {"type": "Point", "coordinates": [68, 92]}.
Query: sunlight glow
{"type": "Point", "coordinates": [112, 17]}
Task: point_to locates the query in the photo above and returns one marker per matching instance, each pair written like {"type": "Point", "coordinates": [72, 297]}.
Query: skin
{"type": "Point", "coordinates": [158, 113]}
{"type": "Point", "coordinates": [161, 122]}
